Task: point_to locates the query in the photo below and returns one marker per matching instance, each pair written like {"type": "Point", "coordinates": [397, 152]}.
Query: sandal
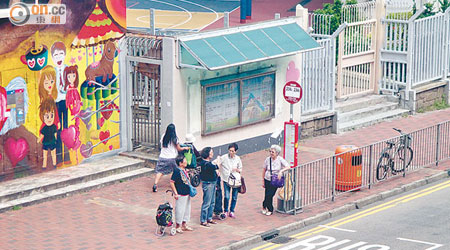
{"type": "Point", "coordinates": [205, 224]}
{"type": "Point", "coordinates": [179, 230]}
{"type": "Point", "coordinates": [187, 228]}
{"type": "Point", "coordinates": [212, 222]}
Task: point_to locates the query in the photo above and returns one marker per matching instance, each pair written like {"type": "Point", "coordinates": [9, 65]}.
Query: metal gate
{"type": "Point", "coordinates": [356, 61]}
{"type": "Point", "coordinates": [318, 77]}
{"type": "Point", "coordinates": [144, 67]}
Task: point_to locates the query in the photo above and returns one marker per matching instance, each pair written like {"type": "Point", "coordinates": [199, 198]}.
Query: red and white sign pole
{"type": "Point", "coordinates": [292, 93]}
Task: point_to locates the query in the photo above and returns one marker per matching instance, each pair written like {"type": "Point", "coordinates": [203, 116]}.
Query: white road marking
{"type": "Point", "coordinates": [434, 245]}
{"type": "Point", "coordinates": [174, 5]}
{"type": "Point", "coordinates": [337, 228]}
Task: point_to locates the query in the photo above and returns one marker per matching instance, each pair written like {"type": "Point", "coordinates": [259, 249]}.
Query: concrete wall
{"type": "Point", "coordinates": [426, 97]}
{"type": "Point", "coordinates": [318, 124]}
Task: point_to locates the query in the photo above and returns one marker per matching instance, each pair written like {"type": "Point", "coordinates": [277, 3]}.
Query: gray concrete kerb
{"type": "Point", "coordinates": [340, 210]}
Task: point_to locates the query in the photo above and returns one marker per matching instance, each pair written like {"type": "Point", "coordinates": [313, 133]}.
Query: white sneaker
{"type": "Point", "coordinates": [268, 213]}
{"type": "Point", "coordinates": [264, 211]}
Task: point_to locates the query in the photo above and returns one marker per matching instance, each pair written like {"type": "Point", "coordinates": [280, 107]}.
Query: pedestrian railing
{"type": "Point", "coordinates": [358, 168]}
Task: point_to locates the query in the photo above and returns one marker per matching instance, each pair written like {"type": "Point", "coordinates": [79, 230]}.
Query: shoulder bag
{"type": "Point", "coordinates": [234, 180]}
{"type": "Point", "coordinates": [243, 188]}
{"type": "Point", "coordinates": [192, 190]}
{"type": "Point", "coordinates": [274, 178]}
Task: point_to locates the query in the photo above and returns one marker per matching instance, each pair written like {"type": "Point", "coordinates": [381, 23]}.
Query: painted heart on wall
{"type": "Point", "coordinates": [110, 107]}
{"type": "Point", "coordinates": [16, 150]}
{"type": "Point", "coordinates": [71, 137]}
{"type": "Point", "coordinates": [41, 61]}
{"type": "Point", "coordinates": [103, 136]}
{"type": "Point", "coordinates": [86, 149]}
{"type": "Point", "coordinates": [31, 63]}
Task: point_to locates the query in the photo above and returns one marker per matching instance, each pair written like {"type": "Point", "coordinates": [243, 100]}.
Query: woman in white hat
{"type": "Point", "coordinates": [190, 139]}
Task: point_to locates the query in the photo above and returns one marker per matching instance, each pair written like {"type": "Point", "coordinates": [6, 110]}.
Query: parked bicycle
{"type": "Point", "coordinates": [394, 151]}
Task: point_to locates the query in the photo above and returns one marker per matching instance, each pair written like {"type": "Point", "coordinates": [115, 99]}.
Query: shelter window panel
{"type": "Point", "coordinates": [238, 101]}
{"type": "Point", "coordinates": [258, 99]}
{"type": "Point", "coordinates": [221, 107]}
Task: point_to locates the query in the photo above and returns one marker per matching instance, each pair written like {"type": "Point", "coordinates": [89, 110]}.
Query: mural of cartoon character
{"type": "Point", "coordinates": [104, 67]}
{"type": "Point", "coordinates": [73, 98]}
{"type": "Point", "coordinates": [47, 113]}
{"type": "Point", "coordinates": [58, 51]}
{"type": "Point", "coordinates": [41, 66]}
{"type": "Point", "coordinates": [47, 88]}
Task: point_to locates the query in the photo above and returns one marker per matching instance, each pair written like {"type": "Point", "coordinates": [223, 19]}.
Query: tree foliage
{"type": "Point", "coordinates": [444, 5]}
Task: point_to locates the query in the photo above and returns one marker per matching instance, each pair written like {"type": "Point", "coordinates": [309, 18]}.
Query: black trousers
{"type": "Point", "coordinates": [269, 192]}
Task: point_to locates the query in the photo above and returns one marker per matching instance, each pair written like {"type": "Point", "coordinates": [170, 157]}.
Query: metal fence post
{"type": "Point", "coordinates": [404, 137]}
{"type": "Point", "coordinates": [438, 133]}
{"type": "Point", "coordinates": [370, 164]}
{"type": "Point", "coordinates": [334, 178]}
{"type": "Point", "coordinates": [152, 22]}
{"type": "Point", "coordinates": [294, 190]}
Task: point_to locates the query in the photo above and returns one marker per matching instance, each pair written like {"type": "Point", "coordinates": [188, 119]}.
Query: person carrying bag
{"type": "Point", "coordinates": [230, 170]}
{"type": "Point", "coordinates": [272, 174]}
{"type": "Point", "coordinates": [183, 191]}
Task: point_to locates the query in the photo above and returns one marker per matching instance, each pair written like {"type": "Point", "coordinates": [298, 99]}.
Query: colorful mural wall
{"type": "Point", "coordinates": [59, 89]}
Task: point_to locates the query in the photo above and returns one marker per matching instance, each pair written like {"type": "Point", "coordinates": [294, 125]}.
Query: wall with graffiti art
{"type": "Point", "coordinates": [60, 89]}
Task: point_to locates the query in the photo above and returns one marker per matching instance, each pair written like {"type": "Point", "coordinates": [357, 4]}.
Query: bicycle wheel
{"type": "Point", "coordinates": [384, 163]}
{"type": "Point", "coordinates": [195, 180]}
{"type": "Point", "coordinates": [401, 153]}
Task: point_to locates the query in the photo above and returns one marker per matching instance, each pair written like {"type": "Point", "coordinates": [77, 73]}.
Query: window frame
{"type": "Point", "coordinates": [240, 80]}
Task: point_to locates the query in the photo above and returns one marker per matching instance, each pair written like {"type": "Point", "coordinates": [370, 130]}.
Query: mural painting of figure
{"type": "Point", "coordinates": [73, 98]}
{"type": "Point", "coordinates": [48, 132]}
{"type": "Point", "coordinates": [47, 88]}
{"type": "Point", "coordinates": [58, 51]}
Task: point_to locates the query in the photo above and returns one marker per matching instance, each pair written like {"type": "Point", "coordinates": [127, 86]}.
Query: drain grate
{"type": "Point", "coordinates": [281, 240]}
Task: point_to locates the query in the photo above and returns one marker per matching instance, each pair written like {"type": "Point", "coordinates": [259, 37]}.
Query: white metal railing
{"type": "Point", "coordinates": [320, 23]}
{"type": "Point", "coordinates": [356, 80]}
{"type": "Point", "coordinates": [317, 78]}
{"type": "Point", "coordinates": [428, 57]}
{"type": "Point", "coordinates": [363, 167]}
{"type": "Point", "coordinates": [358, 12]}
{"type": "Point", "coordinates": [399, 9]}
{"type": "Point", "coordinates": [358, 38]}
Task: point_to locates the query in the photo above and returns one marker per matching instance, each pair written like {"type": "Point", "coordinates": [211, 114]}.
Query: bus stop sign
{"type": "Point", "coordinates": [292, 92]}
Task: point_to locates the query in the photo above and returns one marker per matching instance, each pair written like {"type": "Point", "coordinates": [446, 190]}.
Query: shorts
{"type": "Point", "coordinates": [49, 146]}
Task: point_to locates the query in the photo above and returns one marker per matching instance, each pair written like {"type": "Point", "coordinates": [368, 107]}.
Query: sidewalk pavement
{"type": "Point", "coordinates": [122, 216]}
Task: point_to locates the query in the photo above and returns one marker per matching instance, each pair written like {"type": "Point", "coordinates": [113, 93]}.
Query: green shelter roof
{"type": "Point", "coordinates": [244, 44]}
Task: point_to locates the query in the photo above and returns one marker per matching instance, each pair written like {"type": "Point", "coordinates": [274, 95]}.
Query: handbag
{"type": "Point", "coordinates": [243, 188]}
{"type": "Point", "coordinates": [274, 180]}
{"type": "Point", "coordinates": [192, 190]}
{"type": "Point", "coordinates": [188, 156]}
{"type": "Point", "coordinates": [234, 180]}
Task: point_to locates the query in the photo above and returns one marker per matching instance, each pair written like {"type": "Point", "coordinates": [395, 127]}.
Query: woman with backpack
{"type": "Point", "coordinates": [274, 165]}
{"type": "Point", "coordinates": [180, 188]}
{"type": "Point", "coordinates": [169, 151]}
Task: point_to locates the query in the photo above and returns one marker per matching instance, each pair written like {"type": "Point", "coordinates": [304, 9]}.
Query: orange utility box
{"type": "Point", "coordinates": [348, 168]}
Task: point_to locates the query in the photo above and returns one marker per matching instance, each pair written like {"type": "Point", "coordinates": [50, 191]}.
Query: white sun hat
{"type": "Point", "coordinates": [190, 138]}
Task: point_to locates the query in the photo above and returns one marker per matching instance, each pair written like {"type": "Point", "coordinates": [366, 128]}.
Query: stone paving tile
{"type": "Point", "coordinates": [122, 216]}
